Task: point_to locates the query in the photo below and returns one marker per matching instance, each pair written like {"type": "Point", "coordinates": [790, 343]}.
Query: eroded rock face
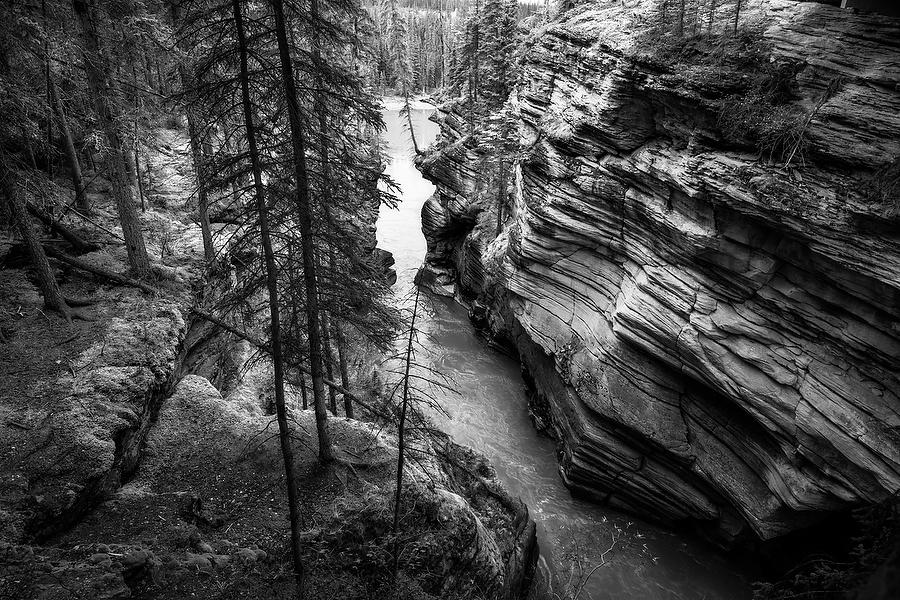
{"type": "Point", "coordinates": [716, 337]}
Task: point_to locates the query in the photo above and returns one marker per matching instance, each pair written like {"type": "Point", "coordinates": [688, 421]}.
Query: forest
{"type": "Point", "coordinates": [128, 123]}
{"type": "Point", "coordinates": [213, 387]}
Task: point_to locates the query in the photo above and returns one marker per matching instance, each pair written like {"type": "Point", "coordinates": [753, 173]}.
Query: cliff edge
{"type": "Point", "coordinates": [700, 262]}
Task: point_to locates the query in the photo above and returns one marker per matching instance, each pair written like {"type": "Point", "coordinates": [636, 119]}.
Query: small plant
{"type": "Point", "coordinates": [752, 92]}
{"type": "Point", "coordinates": [166, 242]}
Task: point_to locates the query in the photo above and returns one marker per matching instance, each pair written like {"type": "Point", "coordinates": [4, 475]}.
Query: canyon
{"type": "Point", "coordinates": [708, 320]}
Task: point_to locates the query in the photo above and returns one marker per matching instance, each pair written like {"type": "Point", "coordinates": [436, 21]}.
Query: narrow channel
{"type": "Point", "coordinates": [490, 414]}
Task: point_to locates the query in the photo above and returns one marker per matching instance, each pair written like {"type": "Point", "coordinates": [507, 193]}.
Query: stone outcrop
{"type": "Point", "coordinates": [207, 505]}
{"type": "Point", "coordinates": [77, 435]}
{"type": "Point", "coordinates": [711, 326]}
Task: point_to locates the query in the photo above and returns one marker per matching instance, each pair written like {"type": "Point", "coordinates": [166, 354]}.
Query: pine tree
{"type": "Point", "coordinates": [284, 434]}
{"type": "Point", "coordinates": [103, 89]}
{"type": "Point", "coordinates": [498, 24]}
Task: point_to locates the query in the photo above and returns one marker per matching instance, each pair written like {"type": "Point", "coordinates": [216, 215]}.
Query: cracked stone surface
{"type": "Point", "coordinates": [717, 338]}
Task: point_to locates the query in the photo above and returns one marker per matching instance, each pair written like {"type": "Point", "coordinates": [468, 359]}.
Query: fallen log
{"type": "Point", "coordinates": [112, 276]}
{"type": "Point", "coordinates": [78, 244]}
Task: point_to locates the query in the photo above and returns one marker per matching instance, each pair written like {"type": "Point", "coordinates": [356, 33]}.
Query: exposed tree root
{"type": "Point", "coordinates": [70, 314]}
{"type": "Point", "coordinates": [76, 301]}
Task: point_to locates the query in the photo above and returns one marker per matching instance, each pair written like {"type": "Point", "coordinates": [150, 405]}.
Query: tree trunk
{"type": "Point", "coordinates": [116, 277]}
{"type": "Point", "coordinates": [303, 397]}
{"type": "Point", "coordinates": [401, 434]}
{"type": "Point", "coordinates": [737, 14]}
{"type": "Point", "coordinates": [53, 298]}
{"type": "Point", "coordinates": [501, 194]}
{"type": "Point", "coordinates": [304, 219]}
{"type": "Point", "coordinates": [79, 245]}
{"type": "Point", "coordinates": [284, 432]}
{"type": "Point", "coordinates": [329, 361]}
{"type": "Point", "coordinates": [679, 29]}
{"type": "Point", "coordinates": [341, 343]}
{"type": "Point", "coordinates": [137, 171]}
{"type": "Point", "coordinates": [696, 19]}
{"type": "Point", "coordinates": [209, 251]}
{"type": "Point", "coordinates": [89, 159]}
{"type": "Point", "coordinates": [69, 145]}
{"type": "Point", "coordinates": [99, 82]}
{"type": "Point", "coordinates": [409, 122]}
{"type": "Point", "coordinates": [28, 149]}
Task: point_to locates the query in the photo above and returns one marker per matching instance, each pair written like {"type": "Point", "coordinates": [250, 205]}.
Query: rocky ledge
{"type": "Point", "coordinates": [709, 310]}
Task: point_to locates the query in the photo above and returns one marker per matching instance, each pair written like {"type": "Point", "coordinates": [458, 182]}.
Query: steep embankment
{"type": "Point", "coordinates": [701, 266]}
{"type": "Point", "coordinates": [138, 458]}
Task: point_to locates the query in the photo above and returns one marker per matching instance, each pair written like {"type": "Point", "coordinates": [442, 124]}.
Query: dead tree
{"type": "Point", "coordinates": [69, 146]}
{"type": "Point", "coordinates": [341, 344]}
{"type": "Point", "coordinates": [401, 433]}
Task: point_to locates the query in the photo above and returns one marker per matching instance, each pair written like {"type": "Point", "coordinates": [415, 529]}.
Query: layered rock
{"type": "Point", "coordinates": [715, 334]}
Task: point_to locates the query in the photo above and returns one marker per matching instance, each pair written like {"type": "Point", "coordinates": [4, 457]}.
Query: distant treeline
{"type": "Point", "coordinates": [415, 40]}
{"type": "Point", "coordinates": [525, 8]}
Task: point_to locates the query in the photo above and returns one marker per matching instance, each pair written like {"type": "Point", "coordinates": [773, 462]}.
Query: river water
{"type": "Point", "coordinates": [490, 414]}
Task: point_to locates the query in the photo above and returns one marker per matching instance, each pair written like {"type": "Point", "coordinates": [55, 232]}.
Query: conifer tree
{"type": "Point", "coordinates": [10, 186]}
{"type": "Point", "coordinates": [498, 24]}
{"type": "Point", "coordinates": [104, 92]}
{"type": "Point", "coordinates": [303, 208]}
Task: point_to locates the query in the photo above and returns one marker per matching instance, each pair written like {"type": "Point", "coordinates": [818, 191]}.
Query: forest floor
{"type": "Point", "coordinates": [125, 473]}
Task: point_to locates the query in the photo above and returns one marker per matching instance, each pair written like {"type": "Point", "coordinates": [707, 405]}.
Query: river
{"type": "Point", "coordinates": [490, 414]}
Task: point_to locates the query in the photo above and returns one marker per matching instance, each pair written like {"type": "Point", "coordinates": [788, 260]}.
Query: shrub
{"type": "Point", "coordinates": [776, 130]}
{"type": "Point", "coordinates": [752, 93]}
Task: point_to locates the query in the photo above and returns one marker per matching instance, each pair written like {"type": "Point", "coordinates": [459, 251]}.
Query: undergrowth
{"type": "Point", "coordinates": [752, 92]}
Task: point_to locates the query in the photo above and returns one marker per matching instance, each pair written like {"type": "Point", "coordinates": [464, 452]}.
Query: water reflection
{"type": "Point", "coordinates": [490, 414]}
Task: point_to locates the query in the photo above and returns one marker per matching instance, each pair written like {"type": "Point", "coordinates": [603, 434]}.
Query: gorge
{"type": "Point", "coordinates": [449, 300]}
{"type": "Point", "coordinates": [487, 411]}
{"type": "Point", "coordinates": [710, 331]}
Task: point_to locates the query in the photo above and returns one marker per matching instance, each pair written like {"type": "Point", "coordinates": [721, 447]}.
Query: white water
{"type": "Point", "coordinates": [490, 414]}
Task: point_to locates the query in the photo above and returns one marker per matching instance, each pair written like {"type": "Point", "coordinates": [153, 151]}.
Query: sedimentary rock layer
{"type": "Point", "coordinates": [714, 325]}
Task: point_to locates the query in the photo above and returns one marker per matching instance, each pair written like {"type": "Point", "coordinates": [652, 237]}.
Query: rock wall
{"type": "Point", "coordinates": [713, 331]}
